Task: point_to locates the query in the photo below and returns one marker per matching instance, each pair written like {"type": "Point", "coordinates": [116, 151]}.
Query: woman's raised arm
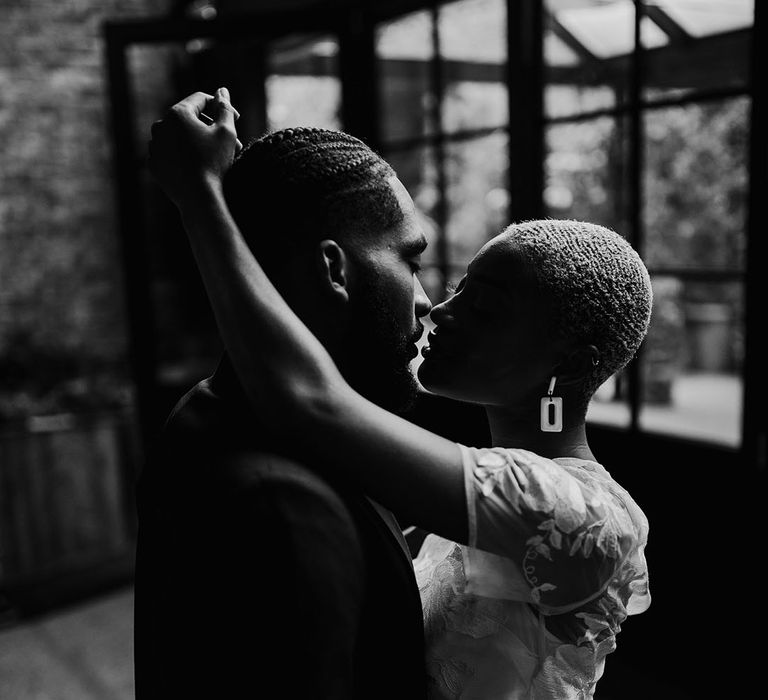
{"type": "Point", "coordinates": [285, 370]}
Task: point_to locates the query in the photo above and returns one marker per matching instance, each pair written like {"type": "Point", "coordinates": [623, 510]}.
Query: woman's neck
{"type": "Point", "coordinates": [508, 429]}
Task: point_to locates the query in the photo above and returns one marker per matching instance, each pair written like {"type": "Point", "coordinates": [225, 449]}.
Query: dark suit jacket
{"type": "Point", "coordinates": [258, 576]}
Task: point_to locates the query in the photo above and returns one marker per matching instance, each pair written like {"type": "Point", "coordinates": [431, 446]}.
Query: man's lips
{"type": "Point", "coordinates": [413, 348]}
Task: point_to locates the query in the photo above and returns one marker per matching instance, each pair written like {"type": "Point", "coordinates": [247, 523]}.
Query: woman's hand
{"type": "Point", "coordinates": [190, 151]}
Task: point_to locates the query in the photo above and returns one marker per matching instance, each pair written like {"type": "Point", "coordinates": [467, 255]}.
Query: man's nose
{"type": "Point", "coordinates": [421, 300]}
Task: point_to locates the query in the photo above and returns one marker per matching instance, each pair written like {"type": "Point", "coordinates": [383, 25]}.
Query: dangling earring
{"type": "Point", "coordinates": [551, 410]}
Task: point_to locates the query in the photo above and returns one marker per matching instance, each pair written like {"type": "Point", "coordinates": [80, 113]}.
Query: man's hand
{"type": "Point", "coordinates": [187, 154]}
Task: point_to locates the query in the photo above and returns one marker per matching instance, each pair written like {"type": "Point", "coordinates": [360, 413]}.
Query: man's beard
{"type": "Point", "coordinates": [378, 354]}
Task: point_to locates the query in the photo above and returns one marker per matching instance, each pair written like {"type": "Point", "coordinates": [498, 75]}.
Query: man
{"type": "Point", "coordinates": [257, 573]}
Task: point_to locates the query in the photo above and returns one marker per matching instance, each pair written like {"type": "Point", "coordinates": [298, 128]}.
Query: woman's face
{"type": "Point", "coordinates": [490, 342]}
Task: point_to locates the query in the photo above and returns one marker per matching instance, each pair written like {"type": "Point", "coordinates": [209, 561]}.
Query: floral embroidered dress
{"type": "Point", "coordinates": [530, 609]}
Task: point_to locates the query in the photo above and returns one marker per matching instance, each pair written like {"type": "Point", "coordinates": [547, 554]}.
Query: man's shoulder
{"type": "Point", "coordinates": [260, 472]}
{"type": "Point", "coordinates": [214, 442]}
{"type": "Point", "coordinates": [206, 423]}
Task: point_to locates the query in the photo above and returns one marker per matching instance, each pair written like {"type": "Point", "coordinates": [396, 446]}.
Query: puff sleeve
{"type": "Point", "coordinates": [553, 533]}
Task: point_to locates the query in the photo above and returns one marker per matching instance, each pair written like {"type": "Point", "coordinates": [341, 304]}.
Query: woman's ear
{"type": "Point", "coordinates": [333, 269]}
{"type": "Point", "coordinates": [579, 364]}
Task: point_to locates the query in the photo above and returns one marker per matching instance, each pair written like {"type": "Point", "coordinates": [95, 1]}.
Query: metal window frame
{"type": "Point", "coordinates": [524, 77]}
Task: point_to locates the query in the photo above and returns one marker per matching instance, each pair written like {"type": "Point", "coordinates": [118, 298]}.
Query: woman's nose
{"type": "Point", "coordinates": [440, 313]}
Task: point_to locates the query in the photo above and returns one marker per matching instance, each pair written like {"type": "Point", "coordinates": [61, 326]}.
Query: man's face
{"type": "Point", "coordinates": [386, 302]}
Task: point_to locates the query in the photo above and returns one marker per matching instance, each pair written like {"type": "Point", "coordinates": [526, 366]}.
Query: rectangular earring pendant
{"type": "Point", "coordinates": [552, 414]}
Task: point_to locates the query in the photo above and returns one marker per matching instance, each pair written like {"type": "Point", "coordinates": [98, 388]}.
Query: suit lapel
{"type": "Point", "coordinates": [392, 526]}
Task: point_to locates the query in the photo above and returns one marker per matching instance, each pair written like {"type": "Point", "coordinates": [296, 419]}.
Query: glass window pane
{"type": "Point", "coordinates": [585, 179]}
{"type": "Point", "coordinates": [707, 17]}
{"type": "Point", "coordinates": [695, 185]}
{"type": "Point", "coordinates": [477, 195]}
{"type": "Point", "coordinates": [607, 30]}
{"type": "Point", "coordinates": [417, 170]}
{"type": "Point", "coordinates": [186, 343]}
{"type": "Point", "coordinates": [585, 172]}
{"type": "Point", "coordinates": [692, 360]}
{"type": "Point", "coordinates": [474, 30]}
{"type": "Point", "coordinates": [407, 37]}
{"type": "Point", "coordinates": [153, 84]}
{"type": "Point", "coordinates": [302, 83]}
{"type": "Point", "coordinates": [586, 51]}
{"type": "Point", "coordinates": [473, 51]}
{"type": "Point", "coordinates": [609, 405]}
{"type": "Point", "coordinates": [707, 46]}
{"type": "Point", "coordinates": [205, 64]}
{"type": "Point", "coordinates": [604, 29]}
{"type": "Point", "coordinates": [404, 49]}
{"type": "Point", "coordinates": [474, 105]}
{"type": "Point", "coordinates": [562, 99]}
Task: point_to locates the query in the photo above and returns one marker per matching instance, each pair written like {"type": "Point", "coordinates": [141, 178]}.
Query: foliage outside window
{"type": "Point", "coordinates": [682, 202]}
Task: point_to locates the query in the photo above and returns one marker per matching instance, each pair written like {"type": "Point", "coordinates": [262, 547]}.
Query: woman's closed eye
{"type": "Point", "coordinates": [482, 298]}
{"type": "Point", "coordinates": [485, 300]}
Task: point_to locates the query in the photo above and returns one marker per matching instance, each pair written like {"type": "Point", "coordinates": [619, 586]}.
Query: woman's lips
{"type": "Point", "coordinates": [434, 345]}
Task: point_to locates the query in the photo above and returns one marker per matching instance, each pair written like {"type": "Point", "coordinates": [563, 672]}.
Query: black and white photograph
{"type": "Point", "coordinates": [382, 349]}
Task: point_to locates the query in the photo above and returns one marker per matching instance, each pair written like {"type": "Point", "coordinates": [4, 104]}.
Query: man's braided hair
{"type": "Point", "coordinates": [296, 186]}
{"type": "Point", "coordinates": [598, 288]}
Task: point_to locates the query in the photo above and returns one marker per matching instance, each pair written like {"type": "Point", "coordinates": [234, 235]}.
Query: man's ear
{"type": "Point", "coordinates": [579, 364]}
{"type": "Point", "coordinates": [333, 268]}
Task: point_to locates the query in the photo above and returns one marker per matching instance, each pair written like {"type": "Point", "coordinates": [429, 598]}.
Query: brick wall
{"type": "Point", "coordinates": [61, 298]}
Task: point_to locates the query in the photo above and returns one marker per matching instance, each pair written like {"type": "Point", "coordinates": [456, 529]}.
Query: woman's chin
{"type": "Point", "coordinates": [426, 375]}
{"type": "Point", "coordinates": [434, 378]}
{"type": "Point", "coordinates": [450, 382]}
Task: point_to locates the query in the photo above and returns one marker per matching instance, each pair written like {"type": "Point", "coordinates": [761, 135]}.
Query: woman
{"type": "Point", "coordinates": [537, 553]}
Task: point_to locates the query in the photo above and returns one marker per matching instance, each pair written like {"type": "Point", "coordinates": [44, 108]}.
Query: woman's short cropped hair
{"type": "Point", "coordinates": [597, 286]}
{"type": "Point", "coordinates": [299, 185]}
